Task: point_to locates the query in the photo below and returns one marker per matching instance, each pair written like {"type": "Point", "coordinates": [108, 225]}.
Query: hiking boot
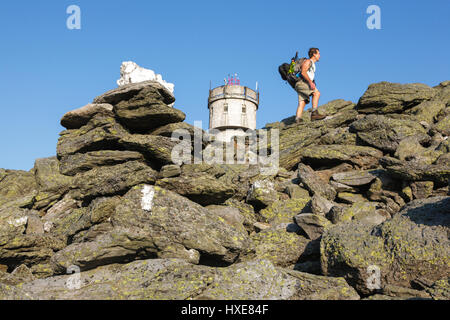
{"type": "Point", "coordinates": [316, 116]}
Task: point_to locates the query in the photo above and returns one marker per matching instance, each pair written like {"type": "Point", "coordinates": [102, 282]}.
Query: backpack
{"type": "Point", "coordinates": [288, 72]}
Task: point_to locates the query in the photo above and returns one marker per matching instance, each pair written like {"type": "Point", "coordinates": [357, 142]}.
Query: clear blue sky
{"type": "Point", "coordinates": [47, 69]}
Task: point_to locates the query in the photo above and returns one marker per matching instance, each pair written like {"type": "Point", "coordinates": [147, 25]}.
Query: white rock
{"type": "Point", "coordinates": [130, 72]}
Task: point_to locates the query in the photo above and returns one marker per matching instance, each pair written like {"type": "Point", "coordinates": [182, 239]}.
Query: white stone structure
{"type": "Point", "coordinates": [130, 72]}
{"type": "Point", "coordinates": [232, 110]}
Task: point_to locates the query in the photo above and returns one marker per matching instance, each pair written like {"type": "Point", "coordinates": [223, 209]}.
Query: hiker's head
{"type": "Point", "coordinates": [314, 52]}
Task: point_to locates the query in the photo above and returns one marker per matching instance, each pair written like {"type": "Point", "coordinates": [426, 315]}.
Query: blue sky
{"type": "Point", "coordinates": [47, 69]}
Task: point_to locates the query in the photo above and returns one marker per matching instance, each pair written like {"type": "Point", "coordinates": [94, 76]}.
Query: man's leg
{"type": "Point", "coordinates": [315, 100]}
{"type": "Point", "coordinates": [301, 107]}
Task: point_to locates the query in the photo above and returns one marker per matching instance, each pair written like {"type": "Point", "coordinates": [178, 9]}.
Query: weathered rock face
{"type": "Point", "coordinates": [412, 246]}
{"type": "Point", "coordinates": [362, 195]}
{"type": "Point", "coordinates": [385, 97]}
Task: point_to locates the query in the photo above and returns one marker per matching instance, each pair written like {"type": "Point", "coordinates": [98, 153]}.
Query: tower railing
{"type": "Point", "coordinates": [235, 92]}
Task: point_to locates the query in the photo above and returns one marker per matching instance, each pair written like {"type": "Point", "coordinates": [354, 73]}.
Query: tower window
{"type": "Point", "coordinates": [225, 108]}
{"type": "Point", "coordinates": [244, 108]}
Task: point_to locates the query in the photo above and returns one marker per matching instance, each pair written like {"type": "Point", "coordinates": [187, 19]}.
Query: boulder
{"type": "Point", "coordinates": [100, 133]}
{"type": "Point", "coordinates": [261, 194]}
{"type": "Point", "coordinates": [383, 132]}
{"type": "Point", "coordinates": [280, 247]}
{"type": "Point", "coordinates": [283, 211]}
{"type": "Point", "coordinates": [386, 97]}
{"type": "Point", "coordinates": [312, 224]}
{"type": "Point", "coordinates": [152, 90]}
{"type": "Point", "coordinates": [354, 178]}
{"type": "Point", "coordinates": [199, 187]}
{"type": "Point", "coordinates": [174, 279]}
{"type": "Point", "coordinates": [320, 205]}
{"type": "Point", "coordinates": [416, 171]}
{"type": "Point", "coordinates": [150, 221]}
{"type": "Point", "coordinates": [331, 155]}
{"type": "Point", "coordinates": [70, 165]}
{"type": "Point", "coordinates": [427, 110]}
{"type": "Point", "coordinates": [111, 180]}
{"type": "Point", "coordinates": [75, 119]}
{"type": "Point", "coordinates": [314, 184]}
{"type": "Point", "coordinates": [412, 246]}
{"type": "Point", "coordinates": [51, 184]}
{"type": "Point", "coordinates": [155, 148]}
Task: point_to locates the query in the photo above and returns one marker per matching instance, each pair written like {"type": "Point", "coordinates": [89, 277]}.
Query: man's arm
{"type": "Point", "coordinates": [305, 68]}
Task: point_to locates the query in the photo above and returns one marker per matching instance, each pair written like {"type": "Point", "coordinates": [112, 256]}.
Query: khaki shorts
{"type": "Point", "coordinates": [303, 90]}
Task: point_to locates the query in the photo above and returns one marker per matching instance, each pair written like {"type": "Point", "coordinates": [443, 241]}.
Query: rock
{"type": "Point", "coordinates": [440, 290]}
{"type": "Point", "coordinates": [70, 165]}
{"type": "Point", "coordinates": [28, 249]}
{"type": "Point", "coordinates": [150, 89]}
{"type": "Point", "coordinates": [422, 189]}
{"type": "Point", "coordinates": [170, 171]}
{"type": "Point", "coordinates": [51, 184]}
{"type": "Point", "coordinates": [414, 171]}
{"type": "Point", "coordinates": [260, 280]}
{"type": "Point", "coordinates": [320, 205]}
{"type": "Point", "coordinates": [292, 143]}
{"type": "Point", "coordinates": [34, 225]}
{"type": "Point", "coordinates": [280, 247]}
{"type": "Point", "coordinates": [295, 192]}
{"type": "Point", "coordinates": [354, 178]}
{"type": "Point", "coordinates": [156, 148]}
{"type": "Point", "coordinates": [130, 72]}
{"type": "Point", "coordinates": [335, 106]}
{"type": "Point", "coordinates": [13, 293]}
{"type": "Point", "coordinates": [314, 184]}
{"type": "Point", "coordinates": [329, 155]}
{"type": "Point", "coordinates": [341, 136]}
{"type": "Point", "coordinates": [111, 180]}
{"type": "Point", "coordinates": [261, 194]}
{"type": "Point", "coordinates": [312, 224]}
{"type": "Point", "coordinates": [351, 198]}
{"type": "Point", "coordinates": [100, 133]}
{"type": "Point", "coordinates": [151, 221]}
{"type": "Point", "coordinates": [199, 187]}
{"type": "Point", "coordinates": [383, 132]}
{"type": "Point", "coordinates": [173, 279]}
{"type": "Point", "coordinates": [427, 110]}
{"type": "Point", "coordinates": [339, 187]}
{"type": "Point", "coordinates": [17, 187]}
{"type": "Point", "coordinates": [404, 293]}
{"type": "Point", "coordinates": [411, 148]}
{"type": "Point", "coordinates": [246, 211]}
{"type": "Point", "coordinates": [75, 119]}
{"type": "Point", "coordinates": [443, 126]}
{"type": "Point", "coordinates": [283, 211]}
{"type": "Point", "coordinates": [411, 246]}
{"type": "Point", "coordinates": [230, 215]}
{"type": "Point", "coordinates": [142, 106]}
{"type": "Point", "coordinates": [385, 97]}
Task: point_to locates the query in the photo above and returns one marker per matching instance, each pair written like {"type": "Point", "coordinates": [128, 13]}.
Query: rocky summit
{"type": "Point", "coordinates": [359, 207]}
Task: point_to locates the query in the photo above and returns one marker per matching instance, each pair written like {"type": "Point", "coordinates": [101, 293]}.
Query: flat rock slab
{"type": "Point", "coordinates": [75, 119]}
{"type": "Point", "coordinates": [128, 91]}
{"type": "Point", "coordinates": [354, 178]}
{"type": "Point", "coordinates": [386, 97]}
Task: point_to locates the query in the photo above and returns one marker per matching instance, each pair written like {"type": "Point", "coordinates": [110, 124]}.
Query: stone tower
{"type": "Point", "coordinates": [232, 109]}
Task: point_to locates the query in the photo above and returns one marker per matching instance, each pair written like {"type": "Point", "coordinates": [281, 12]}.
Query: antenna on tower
{"type": "Point", "coordinates": [256, 85]}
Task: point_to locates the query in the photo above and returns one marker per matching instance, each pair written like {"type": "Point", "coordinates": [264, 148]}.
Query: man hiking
{"type": "Point", "coordinates": [306, 86]}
